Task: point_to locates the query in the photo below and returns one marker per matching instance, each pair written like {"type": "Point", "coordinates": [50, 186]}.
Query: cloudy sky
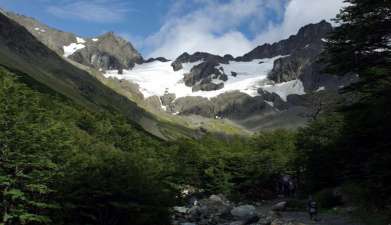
{"type": "Point", "coordinates": [171, 27]}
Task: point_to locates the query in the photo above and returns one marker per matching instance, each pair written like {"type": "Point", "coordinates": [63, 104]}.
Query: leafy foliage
{"type": "Point", "coordinates": [58, 157]}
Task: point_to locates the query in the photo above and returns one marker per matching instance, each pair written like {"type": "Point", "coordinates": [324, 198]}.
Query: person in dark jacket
{"type": "Point", "coordinates": [312, 208]}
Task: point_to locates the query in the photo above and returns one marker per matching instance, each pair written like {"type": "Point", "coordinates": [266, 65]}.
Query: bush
{"type": "Point", "coordinates": [327, 199]}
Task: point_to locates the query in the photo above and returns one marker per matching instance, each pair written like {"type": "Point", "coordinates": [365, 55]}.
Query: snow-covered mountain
{"type": "Point", "coordinates": [274, 85]}
{"type": "Point", "coordinates": [272, 81]}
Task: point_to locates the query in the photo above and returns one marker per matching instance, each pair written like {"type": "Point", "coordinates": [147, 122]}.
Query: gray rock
{"type": "Point", "coordinates": [235, 105]}
{"type": "Point", "coordinates": [264, 221]}
{"type": "Point", "coordinates": [278, 222]}
{"type": "Point", "coordinates": [167, 98]}
{"type": "Point", "coordinates": [108, 53]}
{"type": "Point", "coordinates": [306, 36]}
{"type": "Point", "coordinates": [159, 59]}
{"type": "Point", "coordinates": [237, 223]}
{"type": "Point", "coordinates": [176, 66]}
{"type": "Point", "coordinates": [281, 206]}
{"type": "Point", "coordinates": [181, 209]}
{"type": "Point", "coordinates": [217, 198]}
{"type": "Point", "coordinates": [204, 72]}
{"type": "Point", "coordinates": [244, 212]}
{"type": "Point", "coordinates": [194, 106]}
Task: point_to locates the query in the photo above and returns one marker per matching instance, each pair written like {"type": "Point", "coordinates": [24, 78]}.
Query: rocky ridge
{"type": "Point", "coordinates": [107, 51]}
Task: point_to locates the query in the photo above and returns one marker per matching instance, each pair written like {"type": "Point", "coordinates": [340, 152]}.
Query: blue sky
{"type": "Point", "coordinates": [170, 27]}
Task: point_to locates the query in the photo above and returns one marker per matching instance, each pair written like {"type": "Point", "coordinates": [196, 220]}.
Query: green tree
{"type": "Point", "coordinates": [28, 140]}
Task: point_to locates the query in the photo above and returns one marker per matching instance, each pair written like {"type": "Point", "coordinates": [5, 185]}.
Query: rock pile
{"type": "Point", "coordinates": [217, 210]}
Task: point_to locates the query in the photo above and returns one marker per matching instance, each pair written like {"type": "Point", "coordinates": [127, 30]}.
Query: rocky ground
{"type": "Point", "coordinates": [217, 210]}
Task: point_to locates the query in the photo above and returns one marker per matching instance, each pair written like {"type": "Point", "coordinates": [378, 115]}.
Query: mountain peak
{"type": "Point", "coordinates": [317, 29]}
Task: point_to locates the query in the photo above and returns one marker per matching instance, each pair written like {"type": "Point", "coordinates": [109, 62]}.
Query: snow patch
{"type": "Point", "coordinates": [270, 103]}
{"type": "Point", "coordinates": [320, 89]}
{"type": "Point", "coordinates": [39, 29]}
{"type": "Point", "coordinates": [95, 39]}
{"type": "Point", "coordinates": [286, 88]}
{"type": "Point", "coordinates": [80, 40]}
{"type": "Point", "coordinates": [72, 48]}
{"type": "Point", "coordinates": [156, 77]}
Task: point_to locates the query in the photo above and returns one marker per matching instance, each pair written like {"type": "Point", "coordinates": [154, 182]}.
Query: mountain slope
{"type": "Point", "coordinates": [104, 52]}
{"type": "Point", "coordinates": [21, 51]}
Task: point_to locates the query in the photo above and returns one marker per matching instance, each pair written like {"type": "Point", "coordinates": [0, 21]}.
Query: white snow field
{"type": "Point", "coordinates": [157, 77]}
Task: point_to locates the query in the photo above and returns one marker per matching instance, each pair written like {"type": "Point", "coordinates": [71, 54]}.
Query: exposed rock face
{"type": "Point", "coordinates": [204, 75]}
{"type": "Point", "coordinates": [201, 77]}
{"type": "Point", "coordinates": [160, 59]}
{"type": "Point", "coordinates": [194, 105]}
{"type": "Point", "coordinates": [307, 35]}
{"type": "Point", "coordinates": [233, 105]}
{"type": "Point", "coordinates": [202, 56]}
{"type": "Point", "coordinates": [107, 53]}
{"type": "Point", "coordinates": [167, 99]}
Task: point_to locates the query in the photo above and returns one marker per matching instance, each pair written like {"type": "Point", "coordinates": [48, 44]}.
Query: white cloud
{"type": "Point", "coordinates": [100, 11]}
{"type": "Point", "coordinates": [215, 27]}
{"type": "Point", "coordinates": [297, 14]}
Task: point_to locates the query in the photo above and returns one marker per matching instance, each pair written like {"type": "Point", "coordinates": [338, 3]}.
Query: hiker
{"type": "Point", "coordinates": [312, 208]}
{"type": "Point", "coordinates": [285, 185]}
{"type": "Point", "coordinates": [292, 188]}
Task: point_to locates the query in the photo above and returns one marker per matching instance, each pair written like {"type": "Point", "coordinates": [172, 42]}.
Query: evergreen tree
{"type": "Point", "coordinates": [361, 45]}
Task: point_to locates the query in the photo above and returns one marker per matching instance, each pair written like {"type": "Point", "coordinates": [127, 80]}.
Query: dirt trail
{"type": "Point", "coordinates": [323, 219]}
{"type": "Point", "coordinates": [302, 217]}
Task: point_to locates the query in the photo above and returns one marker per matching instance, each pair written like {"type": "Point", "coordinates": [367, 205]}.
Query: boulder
{"type": "Point", "coordinates": [218, 198]}
{"type": "Point", "coordinates": [237, 223]}
{"type": "Point", "coordinates": [176, 66]}
{"type": "Point", "coordinates": [281, 206]}
{"type": "Point", "coordinates": [214, 206]}
{"type": "Point", "coordinates": [181, 209]}
{"type": "Point", "coordinates": [244, 212]}
{"type": "Point", "coordinates": [264, 221]}
{"type": "Point", "coordinates": [278, 222]}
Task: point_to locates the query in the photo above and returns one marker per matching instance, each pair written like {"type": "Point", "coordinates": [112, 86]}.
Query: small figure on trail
{"type": "Point", "coordinates": [292, 188]}
{"type": "Point", "coordinates": [312, 208]}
